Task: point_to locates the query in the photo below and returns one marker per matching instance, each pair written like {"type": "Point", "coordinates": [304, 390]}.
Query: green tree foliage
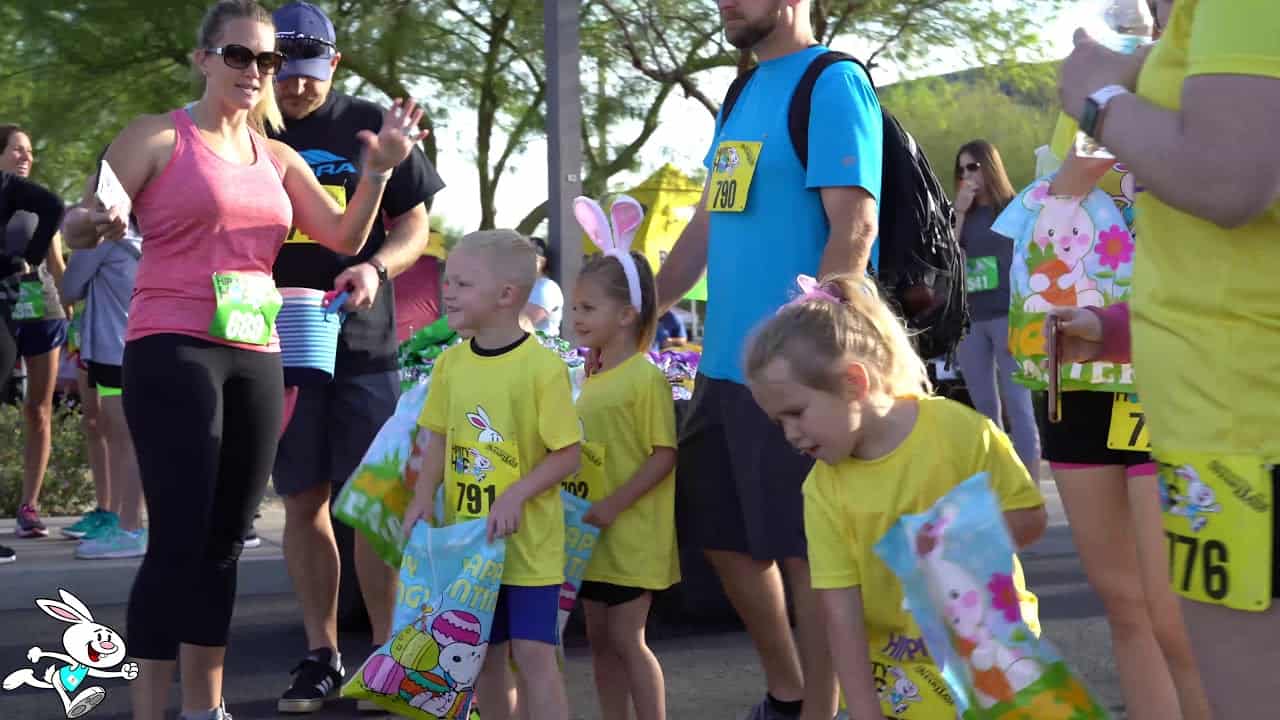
{"type": "Point", "coordinates": [945, 113]}
{"type": "Point", "coordinates": [76, 71]}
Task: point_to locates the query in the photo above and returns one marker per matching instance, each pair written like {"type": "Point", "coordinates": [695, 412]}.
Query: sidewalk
{"type": "Point", "coordinates": [49, 563]}
{"type": "Point", "coordinates": [45, 564]}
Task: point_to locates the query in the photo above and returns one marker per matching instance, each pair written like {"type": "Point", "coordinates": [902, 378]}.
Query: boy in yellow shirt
{"type": "Point", "coordinates": [503, 434]}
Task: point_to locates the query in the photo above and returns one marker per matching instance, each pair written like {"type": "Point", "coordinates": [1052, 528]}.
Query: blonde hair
{"type": "Point", "coordinates": [514, 258]}
{"type": "Point", "coordinates": [608, 273]}
{"type": "Point", "coordinates": [265, 116]}
{"type": "Point", "coordinates": [854, 322]}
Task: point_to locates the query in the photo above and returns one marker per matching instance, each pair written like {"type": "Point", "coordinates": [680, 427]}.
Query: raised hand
{"type": "Point", "coordinates": [396, 139]}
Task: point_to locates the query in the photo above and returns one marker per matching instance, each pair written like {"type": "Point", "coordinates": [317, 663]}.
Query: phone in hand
{"type": "Point", "coordinates": [1054, 349]}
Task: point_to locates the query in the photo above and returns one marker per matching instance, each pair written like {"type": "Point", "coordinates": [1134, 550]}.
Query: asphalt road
{"type": "Point", "coordinates": [711, 673]}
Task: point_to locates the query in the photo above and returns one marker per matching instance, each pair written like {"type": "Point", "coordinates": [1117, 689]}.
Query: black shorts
{"type": "Point", "coordinates": [608, 593]}
{"type": "Point", "coordinates": [737, 478]}
{"type": "Point", "coordinates": [108, 376]}
{"type": "Point", "coordinates": [331, 428]}
{"type": "Point", "coordinates": [1080, 437]}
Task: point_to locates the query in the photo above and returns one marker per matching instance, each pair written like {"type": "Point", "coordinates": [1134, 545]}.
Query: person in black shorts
{"type": "Point", "coordinates": [764, 219]}
{"type": "Point", "coordinates": [18, 195]}
{"type": "Point", "coordinates": [333, 424]}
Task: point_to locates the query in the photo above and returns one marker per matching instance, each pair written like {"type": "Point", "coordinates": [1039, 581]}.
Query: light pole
{"type": "Point", "coordinates": [564, 141]}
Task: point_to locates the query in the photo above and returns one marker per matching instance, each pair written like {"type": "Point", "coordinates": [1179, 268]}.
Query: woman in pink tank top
{"type": "Point", "coordinates": [203, 385]}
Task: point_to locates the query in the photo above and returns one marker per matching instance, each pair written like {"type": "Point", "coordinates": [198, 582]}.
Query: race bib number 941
{"type": "Point", "coordinates": [1218, 523]}
{"type": "Point", "coordinates": [731, 175]}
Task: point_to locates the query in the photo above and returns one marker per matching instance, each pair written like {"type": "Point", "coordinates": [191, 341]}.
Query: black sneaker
{"type": "Point", "coordinates": [7, 555]}
{"type": "Point", "coordinates": [314, 681]}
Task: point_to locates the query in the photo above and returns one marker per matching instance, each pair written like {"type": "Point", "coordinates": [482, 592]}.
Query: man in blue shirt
{"type": "Point", "coordinates": [763, 220]}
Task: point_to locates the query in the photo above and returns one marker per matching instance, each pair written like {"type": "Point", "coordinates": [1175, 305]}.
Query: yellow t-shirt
{"type": "Point", "coordinates": [849, 507]}
{"type": "Point", "coordinates": [501, 415]}
{"type": "Point", "coordinates": [1206, 308]}
{"type": "Point", "coordinates": [626, 412]}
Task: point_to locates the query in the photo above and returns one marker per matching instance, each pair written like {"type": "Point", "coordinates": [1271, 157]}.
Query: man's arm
{"type": "Point", "coordinates": [407, 238]}
{"type": "Point", "coordinates": [688, 258]}
{"type": "Point", "coordinates": [852, 213]}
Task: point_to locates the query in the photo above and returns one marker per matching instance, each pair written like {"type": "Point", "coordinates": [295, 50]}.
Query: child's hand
{"type": "Point", "coordinates": [601, 514]}
{"type": "Point", "coordinates": [422, 508]}
{"type": "Point", "coordinates": [504, 516]}
{"type": "Point", "coordinates": [1080, 336]}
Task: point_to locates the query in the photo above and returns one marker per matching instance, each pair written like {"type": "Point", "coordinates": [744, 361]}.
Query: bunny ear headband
{"type": "Point", "coordinates": [614, 240]}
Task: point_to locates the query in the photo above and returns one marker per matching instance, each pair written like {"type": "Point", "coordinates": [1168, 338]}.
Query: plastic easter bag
{"type": "Point", "coordinates": [579, 542]}
{"type": "Point", "coordinates": [381, 488]}
{"type": "Point", "coordinates": [1068, 252]}
{"type": "Point", "coordinates": [955, 563]}
{"type": "Point", "coordinates": [448, 589]}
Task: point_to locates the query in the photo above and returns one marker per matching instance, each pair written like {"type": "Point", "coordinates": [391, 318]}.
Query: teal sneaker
{"type": "Point", "coordinates": [86, 524]}
{"type": "Point", "coordinates": [109, 523]}
{"type": "Point", "coordinates": [114, 544]}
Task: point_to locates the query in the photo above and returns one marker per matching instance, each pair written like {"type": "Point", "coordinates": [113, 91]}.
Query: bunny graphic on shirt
{"type": "Point", "coordinates": [480, 421]}
{"type": "Point", "coordinates": [901, 693]}
{"type": "Point", "coordinates": [998, 671]}
{"type": "Point", "coordinates": [91, 649]}
{"type": "Point", "coordinates": [1065, 233]}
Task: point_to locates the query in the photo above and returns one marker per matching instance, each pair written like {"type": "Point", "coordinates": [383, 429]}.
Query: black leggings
{"type": "Point", "coordinates": [205, 420]}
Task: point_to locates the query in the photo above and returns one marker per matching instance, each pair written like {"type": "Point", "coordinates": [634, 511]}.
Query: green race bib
{"type": "Point", "coordinates": [981, 274]}
{"type": "Point", "coordinates": [30, 304]}
{"type": "Point", "coordinates": [247, 308]}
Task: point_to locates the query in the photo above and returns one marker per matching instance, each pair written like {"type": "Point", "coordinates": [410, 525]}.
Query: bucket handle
{"type": "Point", "coordinates": [334, 302]}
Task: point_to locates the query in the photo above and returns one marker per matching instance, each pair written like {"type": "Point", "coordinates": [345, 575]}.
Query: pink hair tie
{"type": "Point", "coordinates": [811, 290]}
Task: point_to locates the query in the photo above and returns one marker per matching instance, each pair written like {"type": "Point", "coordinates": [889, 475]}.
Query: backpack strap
{"type": "Point", "coordinates": [735, 89]}
{"type": "Point", "coordinates": [802, 99]}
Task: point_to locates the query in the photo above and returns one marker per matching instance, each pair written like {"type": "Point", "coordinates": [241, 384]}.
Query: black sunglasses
{"type": "Point", "coordinates": [304, 47]}
{"type": "Point", "coordinates": [239, 57]}
{"type": "Point", "coordinates": [971, 167]}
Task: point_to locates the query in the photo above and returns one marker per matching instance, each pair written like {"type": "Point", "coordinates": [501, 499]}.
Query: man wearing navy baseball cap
{"type": "Point", "coordinates": [334, 423]}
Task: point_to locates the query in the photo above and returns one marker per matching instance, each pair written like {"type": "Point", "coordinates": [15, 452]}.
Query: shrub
{"type": "Point", "coordinates": [68, 484]}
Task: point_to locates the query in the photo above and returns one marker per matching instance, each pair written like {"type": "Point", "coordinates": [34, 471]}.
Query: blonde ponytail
{"type": "Point", "coordinates": [265, 116]}
{"type": "Point", "coordinates": [845, 317]}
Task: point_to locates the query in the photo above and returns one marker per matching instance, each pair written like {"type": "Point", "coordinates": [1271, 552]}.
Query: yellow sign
{"type": "Point", "coordinates": [1128, 425]}
{"type": "Point", "coordinates": [1218, 523]}
{"type": "Point", "coordinates": [670, 199]}
{"type": "Point", "coordinates": [338, 193]}
{"type": "Point", "coordinates": [731, 175]}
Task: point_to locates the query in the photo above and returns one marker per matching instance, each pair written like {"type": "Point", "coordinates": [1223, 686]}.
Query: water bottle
{"type": "Point", "coordinates": [1129, 25]}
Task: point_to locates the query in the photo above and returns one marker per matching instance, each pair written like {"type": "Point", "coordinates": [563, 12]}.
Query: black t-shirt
{"type": "Point", "coordinates": [327, 140]}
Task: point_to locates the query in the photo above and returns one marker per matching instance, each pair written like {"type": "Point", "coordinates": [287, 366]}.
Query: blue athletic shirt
{"type": "Point", "coordinates": [754, 256]}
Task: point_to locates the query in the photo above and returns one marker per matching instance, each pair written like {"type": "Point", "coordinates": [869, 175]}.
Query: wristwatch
{"type": "Point", "coordinates": [1095, 105]}
{"type": "Point", "coordinates": [382, 270]}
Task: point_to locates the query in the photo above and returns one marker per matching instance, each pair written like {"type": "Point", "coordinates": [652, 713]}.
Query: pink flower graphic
{"type": "Point", "coordinates": [1115, 247]}
{"type": "Point", "coordinates": [1004, 596]}
{"type": "Point", "coordinates": [1040, 191]}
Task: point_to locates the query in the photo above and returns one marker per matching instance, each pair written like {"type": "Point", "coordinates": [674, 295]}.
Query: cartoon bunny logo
{"type": "Point", "coordinates": [998, 671]}
{"type": "Point", "coordinates": [901, 693]}
{"type": "Point", "coordinates": [469, 461]}
{"type": "Point", "coordinates": [91, 648]}
{"type": "Point", "coordinates": [480, 421]}
{"type": "Point", "coordinates": [1065, 233]}
{"type": "Point", "coordinates": [1198, 503]}
{"type": "Point", "coordinates": [727, 160]}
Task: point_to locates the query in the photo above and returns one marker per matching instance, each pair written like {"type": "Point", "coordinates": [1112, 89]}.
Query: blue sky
{"type": "Point", "coordinates": [525, 182]}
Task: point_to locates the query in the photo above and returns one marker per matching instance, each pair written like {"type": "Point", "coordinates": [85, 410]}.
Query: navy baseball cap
{"type": "Point", "coordinates": [306, 37]}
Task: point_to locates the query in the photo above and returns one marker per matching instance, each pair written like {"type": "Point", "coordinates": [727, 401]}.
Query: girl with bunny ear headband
{"type": "Point", "coordinates": [614, 240]}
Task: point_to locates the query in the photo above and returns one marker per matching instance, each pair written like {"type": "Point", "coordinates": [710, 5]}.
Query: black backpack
{"type": "Point", "coordinates": [921, 265]}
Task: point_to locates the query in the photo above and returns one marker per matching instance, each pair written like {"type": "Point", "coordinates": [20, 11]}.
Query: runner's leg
{"type": "Point", "coordinates": [42, 375]}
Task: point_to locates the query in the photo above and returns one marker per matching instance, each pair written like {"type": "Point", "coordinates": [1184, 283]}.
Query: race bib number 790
{"type": "Point", "coordinates": [731, 175]}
